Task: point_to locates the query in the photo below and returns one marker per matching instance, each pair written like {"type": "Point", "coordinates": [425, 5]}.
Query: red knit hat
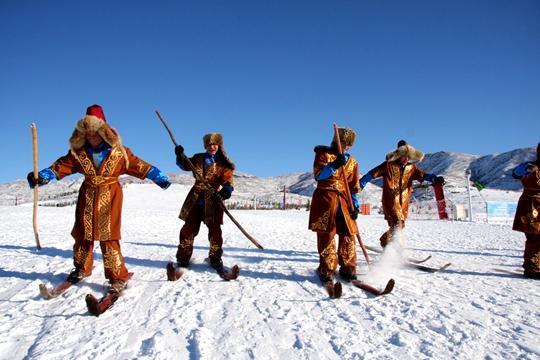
{"type": "Point", "coordinates": [97, 111]}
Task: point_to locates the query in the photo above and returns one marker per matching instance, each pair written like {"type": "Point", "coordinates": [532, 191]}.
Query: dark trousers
{"type": "Point", "coordinates": [531, 256]}
{"type": "Point", "coordinates": [190, 230]}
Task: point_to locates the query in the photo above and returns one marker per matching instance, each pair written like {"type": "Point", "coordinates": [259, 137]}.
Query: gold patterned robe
{"type": "Point", "coordinates": [216, 175]}
{"type": "Point", "coordinates": [397, 188]}
{"type": "Point", "coordinates": [99, 205]}
{"type": "Point", "coordinates": [331, 193]}
{"type": "Point", "coordinates": [527, 218]}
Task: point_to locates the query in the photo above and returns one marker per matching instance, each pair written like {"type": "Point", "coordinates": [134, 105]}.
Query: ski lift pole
{"type": "Point", "coordinates": [198, 177]}
{"type": "Point", "coordinates": [350, 206]}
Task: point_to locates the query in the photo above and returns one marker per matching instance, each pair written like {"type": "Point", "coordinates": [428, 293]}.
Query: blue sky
{"type": "Point", "coordinates": [271, 76]}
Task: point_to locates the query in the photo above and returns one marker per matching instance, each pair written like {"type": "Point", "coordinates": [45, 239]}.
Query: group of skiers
{"type": "Point", "coordinates": [331, 210]}
{"type": "Point", "coordinates": [96, 151]}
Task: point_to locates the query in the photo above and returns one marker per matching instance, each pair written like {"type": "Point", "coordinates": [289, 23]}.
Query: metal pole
{"type": "Point", "coordinates": [468, 177]}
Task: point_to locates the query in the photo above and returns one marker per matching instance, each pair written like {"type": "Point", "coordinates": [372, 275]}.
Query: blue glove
{"type": "Point", "coordinates": [224, 193]}
{"type": "Point", "coordinates": [44, 176]}
{"type": "Point", "coordinates": [521, 170]}
{"type": "Point", "coordinates": [434, 179]}
{"type": "Point", "coordinates": [158, 177]}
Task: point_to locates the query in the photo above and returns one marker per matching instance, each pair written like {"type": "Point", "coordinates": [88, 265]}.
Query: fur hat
{"type": "Point", "coordinates": [346, 136]}
{"type": "Point", "coordinates": [94, 122]}
{"type": "Point", "coordinates": [217, 139]}
{"type": "Point", "coordinates": [405, 149]}
{"type": "Point", "coordinates": [212, 138]}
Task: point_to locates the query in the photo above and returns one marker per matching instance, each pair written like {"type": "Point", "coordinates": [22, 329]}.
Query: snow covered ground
{"type": "Point", "coordinates": [276, 309]}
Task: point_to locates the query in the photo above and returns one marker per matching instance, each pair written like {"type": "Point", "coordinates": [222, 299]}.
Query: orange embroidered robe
{"type": "Point", "coordinates": [330, 193]}
{"type": "Point", "coordinates": [397, 188]}
{"type": "Point", "coordinates": [527, 217]}
{"type": "Point", "coordinates": [216, 175]}
{"type": "Point", "coordinates": [99, 205]}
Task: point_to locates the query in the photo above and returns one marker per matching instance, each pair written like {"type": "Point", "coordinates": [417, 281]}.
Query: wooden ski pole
{"type": "Point", "coordinates": [198, 177]}
{"type": "Point", "coordinates": [35, 157]}
{"type": "Point", "coordinates": [349, 197]}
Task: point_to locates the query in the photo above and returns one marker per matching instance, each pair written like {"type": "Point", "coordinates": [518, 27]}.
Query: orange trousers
{"type": "Point", "coordinates": [113, 261]}
{"type": "Point", "coordinates": [346, 252]}
{"type": "Point", "coordinates": [393, 226]}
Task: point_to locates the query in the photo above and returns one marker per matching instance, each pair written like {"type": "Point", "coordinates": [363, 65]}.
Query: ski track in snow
{"type": "Point", "coordinates": [276, 309]}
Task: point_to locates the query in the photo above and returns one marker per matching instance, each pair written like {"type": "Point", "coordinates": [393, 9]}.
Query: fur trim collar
{"type": "Point", "coordinates": [222, 155]}
{"type": "Point", "coordinates": [413, 154]}
{"type": "Point", "coordinates": [92, 123]}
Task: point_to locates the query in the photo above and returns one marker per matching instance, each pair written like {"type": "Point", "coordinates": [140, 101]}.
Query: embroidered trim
{"type": "Point", "coordinates": [322, 222]}
{"type": "Point", "coordinates": [80, 257]}
{"type": "Point", "coordinates": [104, 215]}
{"type": "Point", "coordinates": [88, 213]}
{"type": "Point", "coordinates": [111, 162]}
{"type": "Point", "coordinates": [112, 261]}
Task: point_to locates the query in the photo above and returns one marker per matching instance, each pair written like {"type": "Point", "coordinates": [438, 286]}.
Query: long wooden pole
{"type": "Point", "coordinates": [348, 194]}
{"type": "Point", "coordinates": [208, 186]}
{"type": "Point", "coordinates": [35, 157]}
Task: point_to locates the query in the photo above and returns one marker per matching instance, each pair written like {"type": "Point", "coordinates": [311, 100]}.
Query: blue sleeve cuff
{"type": "Point", "coordinates": [326, 172]}
{"type": "Point", "coordinates": [366, 179]}
{"type": "Point", "coordinates": [158, 177]}
{"type": "Point", "coordinates": [355, 200]}
{"type": "Point", "coordinates": [228, 187]}
{"type": "Point", "coordinates": [47, 174]}
{"type": "Point", "coordinates": [329, 170]}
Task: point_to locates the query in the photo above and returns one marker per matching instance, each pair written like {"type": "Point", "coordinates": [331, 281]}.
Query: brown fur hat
{"type": "Point", "coordinates": [212, 138]}
{"type": "Point", "coordinates": [94, 124]}
{"type": "Point", "coordinates": [405, 149]}
{"type": "Point", "coordinates": [217, 139]}
{"type": "Point", "coordinates": [346, 136]}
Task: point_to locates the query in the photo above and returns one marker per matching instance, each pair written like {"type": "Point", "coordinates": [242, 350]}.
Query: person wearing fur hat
{"type": "Point", "coordinates": [330, 214]}
{"type": "Point", "coordinates": [398, 171]}
{"type": "Point", "coordinates": [97, 153]}
{"type": "Point", "coordinates": [527, 218]}
{"type": "Point", "coordinates": [202, 204]}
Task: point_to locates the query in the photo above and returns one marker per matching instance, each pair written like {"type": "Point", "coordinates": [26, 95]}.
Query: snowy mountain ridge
{"type": "Point", "coordinates": [493, 171]}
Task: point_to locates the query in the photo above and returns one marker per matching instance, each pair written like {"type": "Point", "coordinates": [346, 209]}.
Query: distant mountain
{"type": "Point", "coordinates": [493, 171]}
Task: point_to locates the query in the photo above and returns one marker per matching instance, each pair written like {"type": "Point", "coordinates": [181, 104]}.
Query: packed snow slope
{"type": "Point", "coordinates": [277, 308]}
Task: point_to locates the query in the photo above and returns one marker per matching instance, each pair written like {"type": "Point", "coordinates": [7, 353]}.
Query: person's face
{"type": "Point", "coordinates": [404, 159]}
{"type": "Point", "coordinates": [212, 149]}
{"type": "Point", "coordinates": [94, 139]}
{"type": "Point", "coordinates": [345, 147]}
